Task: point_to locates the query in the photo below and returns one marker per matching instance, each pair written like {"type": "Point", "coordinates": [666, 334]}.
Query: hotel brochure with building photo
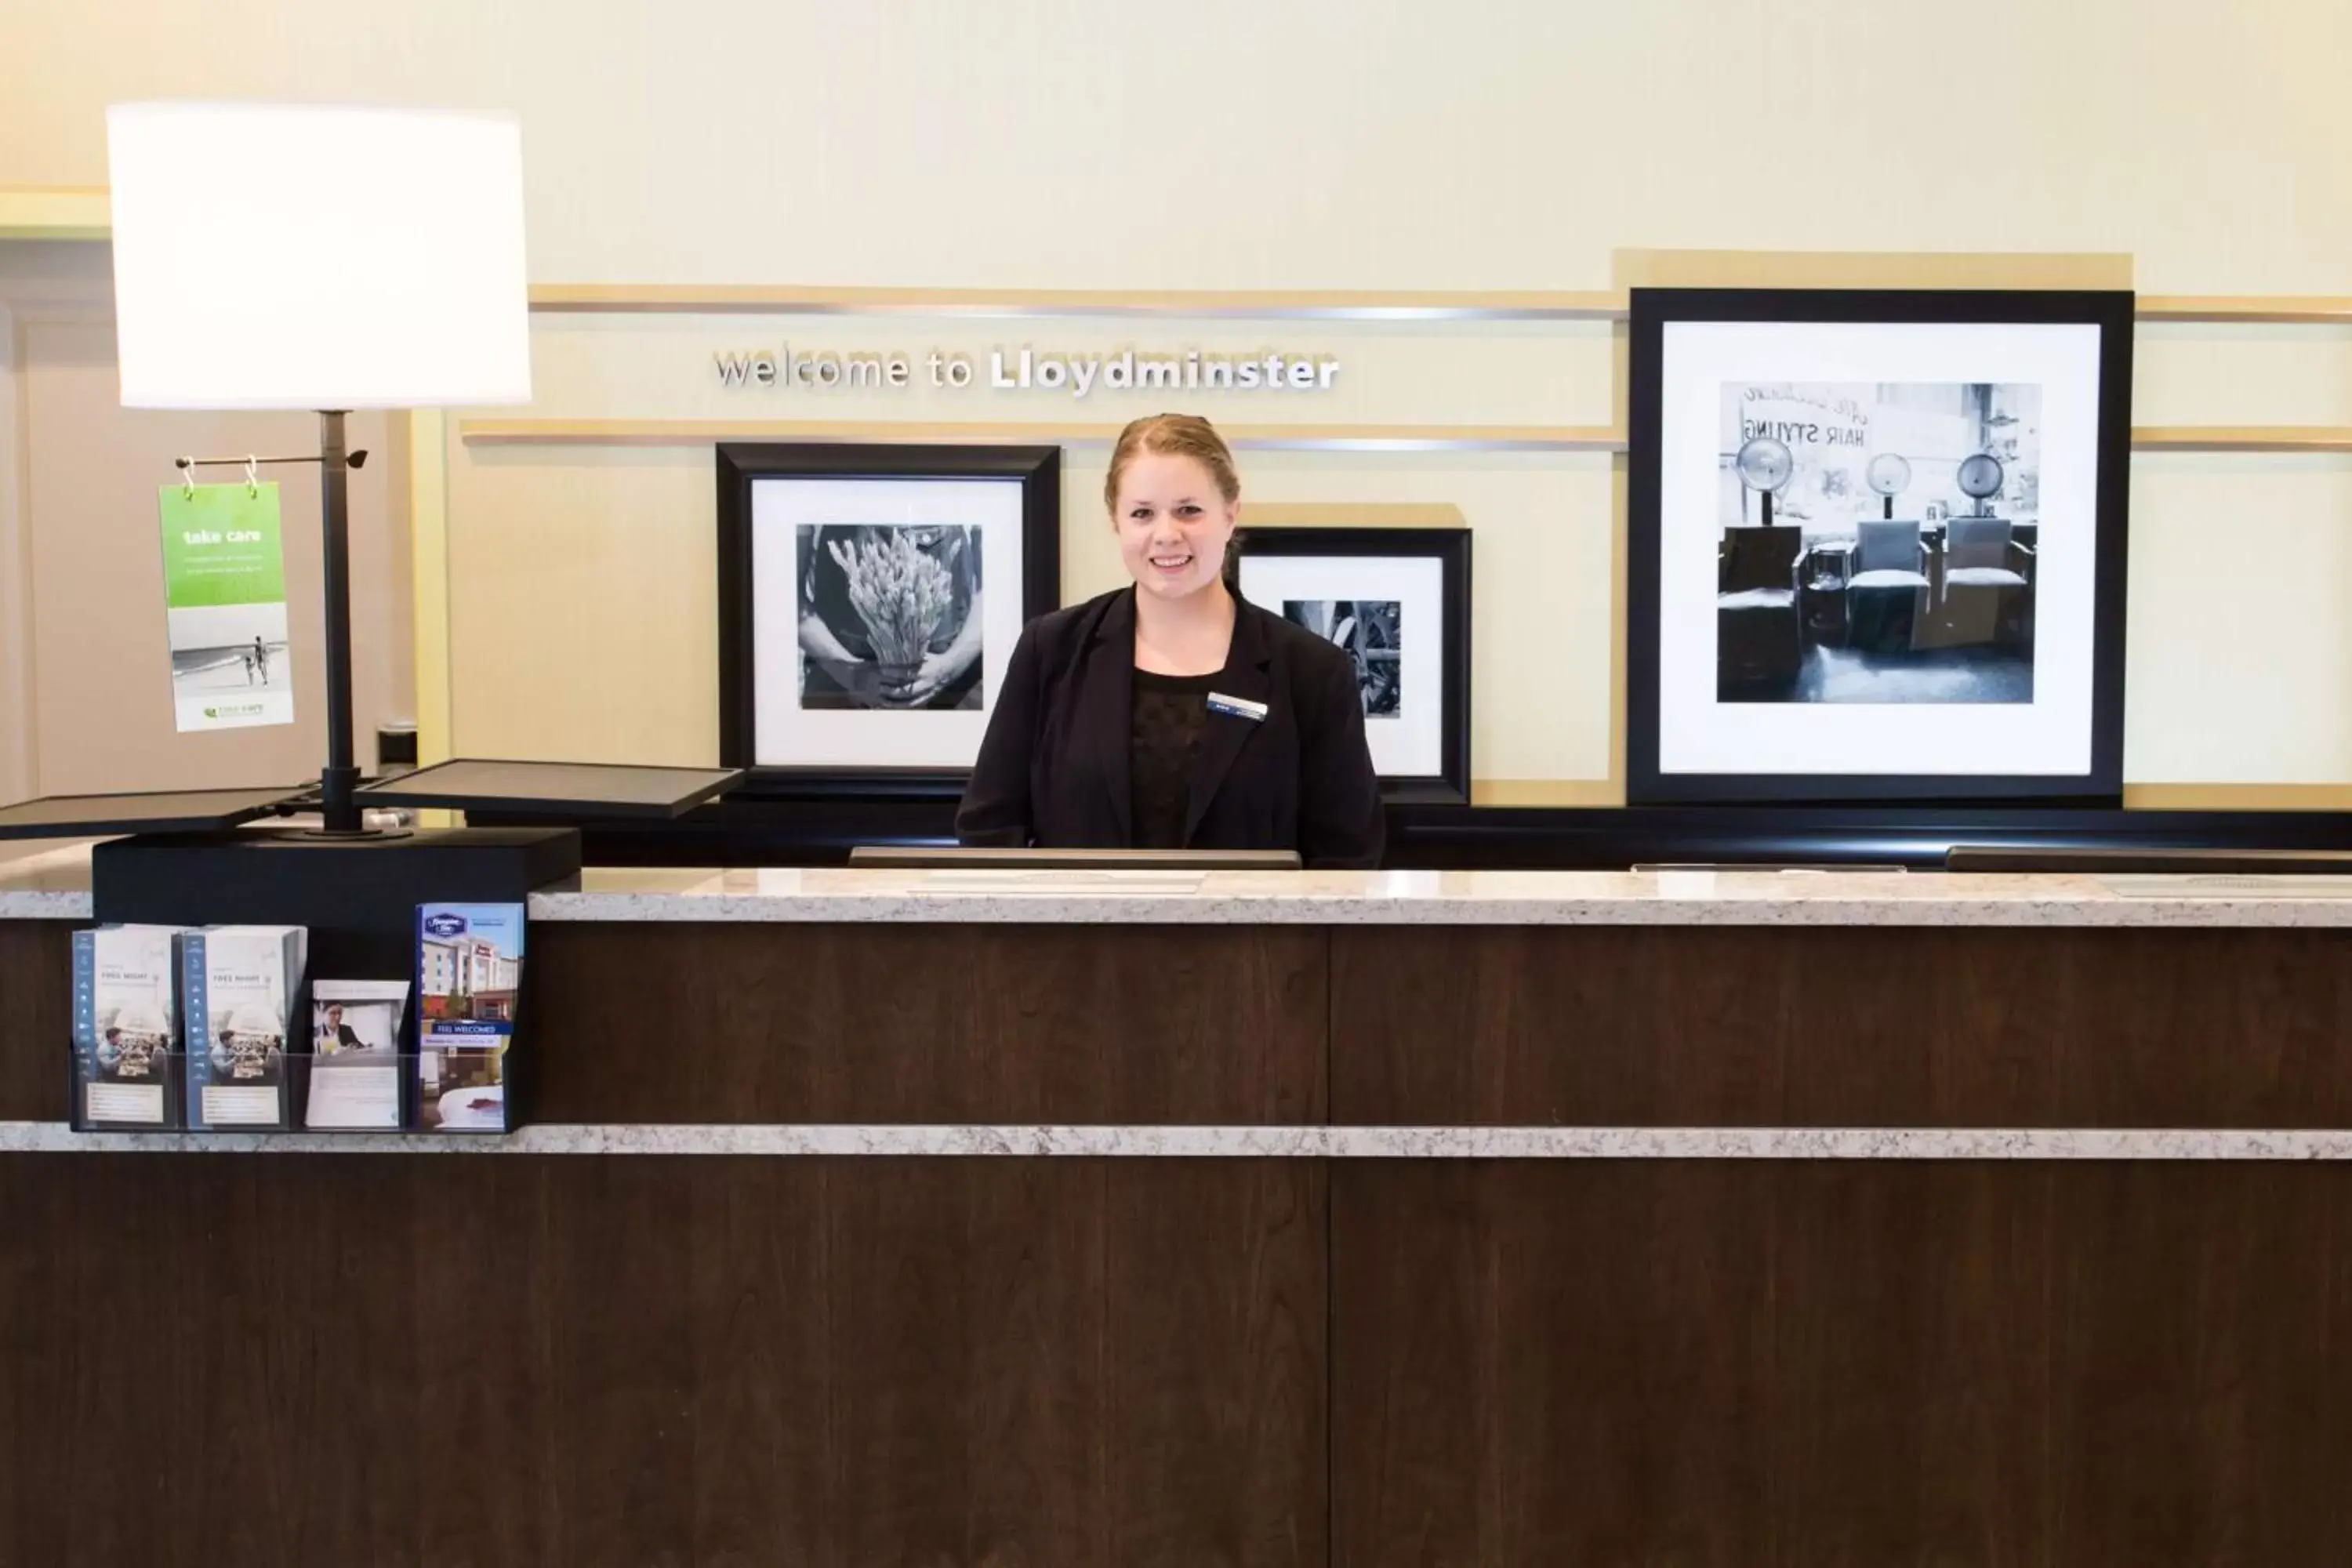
{"type": "Point", "coordinates": [469, 977]}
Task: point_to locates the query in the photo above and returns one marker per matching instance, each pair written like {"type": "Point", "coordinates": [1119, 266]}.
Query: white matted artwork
{"type": "Point", "coordinates": [882, 613]}
{"type": "Point", "coordinates": [1396, 602]}
{"type": "Point", "coordinates": [1880, 547]}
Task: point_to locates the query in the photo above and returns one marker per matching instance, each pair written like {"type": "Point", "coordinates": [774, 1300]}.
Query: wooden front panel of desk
{"type": "Point", "coordinates": [292, 1361]}
{"type": "Point", "coordinates": [966, 1024]}
{"type": "Point", "coordinates": [1841, 1026]}
{"type": "Point", "coordinates": [1735, 1362]}
{"type": "Point", "coordinates": [571, 1358]}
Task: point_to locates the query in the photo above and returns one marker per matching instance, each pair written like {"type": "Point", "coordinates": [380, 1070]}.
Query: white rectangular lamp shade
{"type": "Point", "coordinates": [293, 256]}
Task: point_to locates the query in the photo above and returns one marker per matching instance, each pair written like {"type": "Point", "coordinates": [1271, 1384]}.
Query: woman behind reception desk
{"type": "Point", "coordinates": [1172, 714]}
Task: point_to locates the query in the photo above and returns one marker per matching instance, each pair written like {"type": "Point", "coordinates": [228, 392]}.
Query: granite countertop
{"type": "Point", "coordinates": [957, 1142]}
{"type": "Point", "coordinates": [55, 886]}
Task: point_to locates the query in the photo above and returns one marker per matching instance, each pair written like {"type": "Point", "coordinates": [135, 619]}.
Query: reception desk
{"type": "Point", "coordinates": [1480, 1218]}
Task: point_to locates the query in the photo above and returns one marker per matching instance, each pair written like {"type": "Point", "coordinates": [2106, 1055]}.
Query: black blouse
{"type": "Point", "coordinates": [1169, 711]}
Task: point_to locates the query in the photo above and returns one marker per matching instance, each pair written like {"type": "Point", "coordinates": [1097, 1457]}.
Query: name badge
{"type": "Point", "coordinates": [1239, 707]}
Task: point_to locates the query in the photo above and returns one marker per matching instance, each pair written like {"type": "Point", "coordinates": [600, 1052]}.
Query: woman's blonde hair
{"type": "Point", "coordinates": [1178, 435]}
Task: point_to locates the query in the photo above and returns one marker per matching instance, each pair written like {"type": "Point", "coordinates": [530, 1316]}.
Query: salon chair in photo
{"type": "Point", "coordinates": [1988, 592]}
{"type": "Point", "coordinates": [1889, 586]}
{"type": "Point", "coordinates": [1758, 632]}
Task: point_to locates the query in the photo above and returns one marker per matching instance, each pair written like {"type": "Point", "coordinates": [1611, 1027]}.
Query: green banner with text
{"type": "Point", "coordinates": [224, 604]}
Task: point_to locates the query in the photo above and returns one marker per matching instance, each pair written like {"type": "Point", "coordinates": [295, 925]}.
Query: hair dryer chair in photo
{"type": "Point", "coordinates": [1759, 631]}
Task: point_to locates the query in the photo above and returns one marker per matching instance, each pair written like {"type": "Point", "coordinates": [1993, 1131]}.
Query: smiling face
{"type": "Point", "coordinates": [1173, 523]}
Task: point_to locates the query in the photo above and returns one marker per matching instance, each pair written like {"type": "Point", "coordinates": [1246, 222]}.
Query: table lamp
{"type": "Point", "coordinates": [321, 257]}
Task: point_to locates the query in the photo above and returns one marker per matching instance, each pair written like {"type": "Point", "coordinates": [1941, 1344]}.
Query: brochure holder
{"type": "Point", "coordinates": [358, 899]}
{"type": "Point", "coordinates": [442, 1099]}
{"type": "Point", "coordinates": [169, 1077]}
{"type": "Point", "coordinates": [428, 1106]}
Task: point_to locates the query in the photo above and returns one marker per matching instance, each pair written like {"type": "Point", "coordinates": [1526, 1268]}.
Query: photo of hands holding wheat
{"type": "Point", "coordinates": [889, 616]}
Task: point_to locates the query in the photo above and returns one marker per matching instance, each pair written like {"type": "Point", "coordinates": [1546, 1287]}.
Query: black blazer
{"type": "Point", "coordinates": [1053, 768]}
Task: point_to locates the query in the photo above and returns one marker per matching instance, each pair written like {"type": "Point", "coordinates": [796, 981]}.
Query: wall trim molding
{"type": "Point", "coordinates": [1491, 305]}
{"type": "Point", "coordinates": [1367, 305]}
{"type": "Point", "coordinates": [1292, 437]}
{"type": "Point", "coordinates": [2239, 438]}
{"type": "Point", "coordinates": [55, 211]}
{"type": "Point", "coordinates": [85, 212]}
{"type": "Point", "coordinates": [2242, 439]}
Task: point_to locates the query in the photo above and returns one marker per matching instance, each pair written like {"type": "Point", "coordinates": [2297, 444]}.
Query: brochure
{"type": "Point", "coordinates": [241, 985]}
{"type": "Point", "coordinates": [225, 597]}
{"type": "Point", "coordinates": [355, 1054]}
{"type": "Point", "coordinates": [126, 1026]}
{"type": "Point", "coordinates": [469, 977]}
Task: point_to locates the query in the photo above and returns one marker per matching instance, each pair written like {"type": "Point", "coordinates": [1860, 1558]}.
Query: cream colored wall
{"type": "Point", "coordinates": [614, 548]}
{"type": "Point", "coordinates": [1244, 143]}
{"type": "Point", "coordinates": [85, 672]}
{"type": "Point", "coordinates": [1506, 143]}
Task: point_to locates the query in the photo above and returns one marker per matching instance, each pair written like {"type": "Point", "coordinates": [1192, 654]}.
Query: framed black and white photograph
{"type": "Point", "coordinates": [869, 596]}
{"type": "Point", "coordinates": [1877, 544]}
{"type": "Point", "coordinates": [1398, 601]}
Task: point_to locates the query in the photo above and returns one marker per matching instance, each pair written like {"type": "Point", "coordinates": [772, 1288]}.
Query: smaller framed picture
{"type": "Point", "coordinates": [1398, 600]}
{"type": "Point", "coordinates": [868, 598]}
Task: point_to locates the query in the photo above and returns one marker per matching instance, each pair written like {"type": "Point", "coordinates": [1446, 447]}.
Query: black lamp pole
{"type": "Point", "coordinates": [341, 776]}
{"type": "Point", "coordinates": [339, 780]}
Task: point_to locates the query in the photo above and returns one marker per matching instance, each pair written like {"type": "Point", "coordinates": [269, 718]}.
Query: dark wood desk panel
{"type": "Point", "coordinates": [1847, 1026]}
{"type": "Point", "coordinates": [2201, 1329]}
{"type": "Point", "coordinates": [929, 1024]}
{"type": "Point", "coordinates": [1866, 1363]}
{"type": "Point", "coordinates": [1536, 1364]}
{"type": "Point", "coordinates": [36, 1020]}
{"type": "Point", "coordinates": [468, 1363]}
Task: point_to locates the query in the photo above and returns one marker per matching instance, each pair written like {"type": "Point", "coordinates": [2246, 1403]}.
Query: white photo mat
{"type": "Point", "coordinates": [784, 734]}
{"type": "Point", "coordinates": [2052, 735]}
{"type": "Point", "coordinates": [1412, 744]}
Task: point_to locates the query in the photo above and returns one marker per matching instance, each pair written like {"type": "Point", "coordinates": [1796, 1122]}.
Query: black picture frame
{"type": "Point", "coordinates": [1450, 547]}
{"type": "Point", "coordinates": [1652, 310]}
{"type": "Point", "coordinates": [741, 468]}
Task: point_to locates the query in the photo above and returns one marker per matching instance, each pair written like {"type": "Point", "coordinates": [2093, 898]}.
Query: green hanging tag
{"type": "Point", "coordinates": [224, 601]}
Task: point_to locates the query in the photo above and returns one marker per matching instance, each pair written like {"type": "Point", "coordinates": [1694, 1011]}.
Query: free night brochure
{"type": "Point", "coordinates": [241, 985]}
{"type": "Point", "coordinates": [224, 606]}
{"type": "Point", "coordinates": [126, 1026]}
{"type": "Point", "coordinates": [469, 977]}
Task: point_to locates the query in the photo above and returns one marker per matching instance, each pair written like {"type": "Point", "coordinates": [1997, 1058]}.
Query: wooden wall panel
{"type": "Point", "coordinates": [1853, 1026]}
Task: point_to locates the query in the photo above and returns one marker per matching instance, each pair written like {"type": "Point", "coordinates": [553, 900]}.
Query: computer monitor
{"type": "Point", "coordinates": [945, 857]}
{"type": "Point", "coordinates": [2157, 861]}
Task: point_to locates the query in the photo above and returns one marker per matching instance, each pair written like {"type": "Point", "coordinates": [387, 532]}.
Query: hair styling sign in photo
{"type": "Point", "coordinates": [1877, 543]}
